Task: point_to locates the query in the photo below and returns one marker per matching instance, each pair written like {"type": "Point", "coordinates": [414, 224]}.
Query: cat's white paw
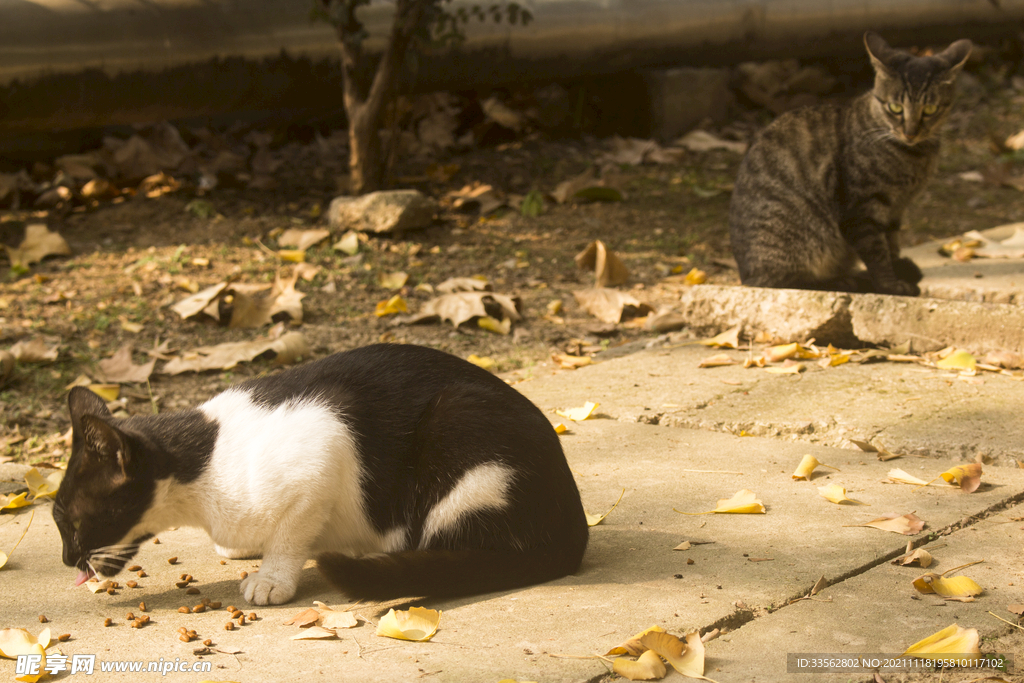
{"type": "Point", "coordinates": [267, 589]}
{"type": "Point", "coordinates": [236, 553]}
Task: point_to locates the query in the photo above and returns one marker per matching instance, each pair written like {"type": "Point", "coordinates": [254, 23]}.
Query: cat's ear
{"type": "Point", "coordinates": [879, 51]}
{"type": "Point", "coordinates": [956, 55]}
{"type": "Point", "coordinates": [104, 447]}
{"type": "Point", "coordinates": [82, 401]}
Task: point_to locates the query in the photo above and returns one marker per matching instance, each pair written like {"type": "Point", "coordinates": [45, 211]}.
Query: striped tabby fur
{"type": "Point", "coordinates": [823, 186]}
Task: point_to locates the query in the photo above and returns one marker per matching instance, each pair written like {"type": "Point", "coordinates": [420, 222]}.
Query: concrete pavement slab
{"type": "Point", "coordinates": [631, 578]}
{"type": "Point", "coordinates": [906, 407]}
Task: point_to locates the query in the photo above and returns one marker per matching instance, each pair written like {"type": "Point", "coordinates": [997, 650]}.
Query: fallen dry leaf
{"type": "Point", "coordinates": [199, 302]}
{"type": "Point", "coordinates": [18, 641]}
{"type": "Point", "coordinates": [348, 244]}
{"type": "Point", "coordinates": [608, 268]}
{"type": "Point", "coordinates": [901, 477]}
{"type": "Point", "coordinates": [742, 502]}
{"type": "Point", "coordinates": [908, 524]}
{"type": "Point", "coordinates": [610, 305]}
{"type": "Point", "coordinates": [579, 414]}
{"type": "Point", "coordinates": [967, 477]}
{"type": "Point", "coordinates": [35, 350]}
{"type": "Point", "coordinates": [921, 557]}
{"type": "Point", "coordinates": [952, 640]}
{"type": "Point", "coordinates": [837, 494]}
{"type": "Point", "coordinates": [335, 619]}
{"type": "Point", "coordinates": [958, 360]}
{"type": "Point", "coordinates": [594, 520]}
{"type": "Point", "coordinates": [696, 276]}
{"type": "Point", "coordinates": [302, 239]}
{"type": "Point", "coordinates": [702, 141]}
{"type": "Point", "coordinates": [951, 587]}
{"type": "Point", "coordinates": [790, 368]}
{"type": "Point", "coordinates": [461, 307]}
{"type": "Point", "coordinates": [395, 280]}
{"type": "Point", "coordinates": [585, 187]}
{"type": "Point", "coordinates": [806, 467]}
{"type": "Point", "coordinates": [252, 306]}
{"type": "Point", "coordinates": [4, 557]}
{"type": "Point", "coordinates": [648, 667]}
{"type": "Point", "coordinates": [43, 487]}
{"type": "Point", "coordinates": [569, 362]}
{"type": "Point", "coordinates": [288, 348]}
{"type": "Point", "coordinates": [119, 367]}
{"type": "Point", "coordinates": [494, 325]}
{"type": "Point", "coordinates": [307, 617]}
{"type": "Point", "coordinates": [716, 361]}
{"type": "Point", "coordinates": [685, 656]}
{"type": "Point", "coordinates": [633, 646]}
{"type": "Point", "coordinates": [561, 428]}
{"type": "Point", "coordinates": [108, 392]}
{"type": "Point", "coordinates": [485, 362]}
{"type": "Point", "coordinates": [392, 306]}
{"type": "Point", "coordinates": [730, 339]}
{"type": "Point", "coordinates": [464, 284]}
{"type": "Point", "coordinates": [10, 501]}
{"type": "Point", "coordinates": [313, 633]}
{"type": "Point", "coordinates": [418, 623]}
{"type": "Point", "coordinates": [38, 243]}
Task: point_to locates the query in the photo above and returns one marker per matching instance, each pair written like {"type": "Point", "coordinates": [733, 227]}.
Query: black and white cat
{"type": "Point", "coordinates": [404, 470]}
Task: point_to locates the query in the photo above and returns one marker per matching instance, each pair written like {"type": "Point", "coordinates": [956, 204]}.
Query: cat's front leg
{"type": "Point", "coordinates": [276, 580]}
{"type": "Point", "coordinates": [872, 246]}
{"type": "Point", "coordinates": [236, 553]}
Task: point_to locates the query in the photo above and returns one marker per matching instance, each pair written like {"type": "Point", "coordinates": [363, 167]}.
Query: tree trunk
{"type": "Point", "coordinates": [365, 162]}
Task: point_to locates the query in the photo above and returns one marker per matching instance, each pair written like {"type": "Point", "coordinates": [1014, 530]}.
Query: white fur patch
{"type": "Point", "coordinates": [482, 488]}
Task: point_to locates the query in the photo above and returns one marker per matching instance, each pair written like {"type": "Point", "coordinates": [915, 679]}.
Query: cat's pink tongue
{"type": "Point", "coordinates": [83, 576]}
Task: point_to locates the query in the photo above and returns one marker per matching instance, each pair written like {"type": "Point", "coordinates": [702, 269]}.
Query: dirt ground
{"type": "Point", "coordinates": [134, 258]}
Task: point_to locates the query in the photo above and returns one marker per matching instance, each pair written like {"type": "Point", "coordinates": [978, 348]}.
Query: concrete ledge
{"type": "Point", "coordinates": [852, 319]}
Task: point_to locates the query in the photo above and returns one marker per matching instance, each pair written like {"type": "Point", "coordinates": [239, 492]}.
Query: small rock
{"type": "Point", "coordinates": [385, 211]}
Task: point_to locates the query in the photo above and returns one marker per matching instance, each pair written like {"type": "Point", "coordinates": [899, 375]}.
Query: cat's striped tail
{"type": "Point", "coordinates": [445, 573]}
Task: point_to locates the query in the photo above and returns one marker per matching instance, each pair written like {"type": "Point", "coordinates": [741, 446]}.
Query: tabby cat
{"type": "Point", "coordinates": [404, 470]}
{"type": "Point", "coordinates": [823, 186]}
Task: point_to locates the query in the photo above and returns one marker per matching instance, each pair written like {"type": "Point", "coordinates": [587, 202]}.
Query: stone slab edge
{"type": "Point", "coordinates": [853, 319]}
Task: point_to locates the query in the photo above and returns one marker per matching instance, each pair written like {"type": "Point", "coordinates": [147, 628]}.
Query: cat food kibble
{"type": "Point", "coordinates": [237, 613]}
{"type": "Point", "coordinates": [134, 568]}
{"type": "Point", "coordinates": [130, 616]}
{"type": "Point", "coordinates": [184, 638]}
{"type": "Point", "coordinates": [208, 642]}
{"type": "Point", "coordinates": [244, 574]}
{"type": "Point", "coordinates": [192, 591]}
{"type": "Point", "coordinates": [198, 608]}
{"type": "Point", "coordinates": [184, 577]}
{"type": "Point", "coordinates": [108, 622]}
{"type": "Point", "coordinates": [43, 619]}
{"type": "Point", "coordinates": [252, 616]}
{"type": "Point", "coordinates": [172, 560]}
{"type": "Point", "coordinates": [230, 626]}
{"type": "Point", "coordinates": [188, 577]}
{"type": "Point", "coordinates": [132, 584]}
{"type": "Point", "coordinates": [223, 562]}
{"type": "Point", "coordinates": [141, 574]}
{"type": "Point", "coordinates": [156, 541]}
{"type": "Point", "coordinates": [230, 608]}
{"type": "Point", "coordinates": [181, 584]}
{"type": "Point", "coordinates": [184, 610]}
{"type": "Point", "coordinates": [241, 620]}
{"type": "Point", "coordinates": [111, 591]}
{"type": "Point", "coordinates": [64, 637]}
{"type": "Point", "coordinates": [182, 630]}
{"type": "Point", "coordinates": [142, 606]}
{"type": "Point", "coordinates": [215, 604]}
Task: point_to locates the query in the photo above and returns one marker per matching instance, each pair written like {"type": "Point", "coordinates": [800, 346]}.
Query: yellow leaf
{"type": "Point", "coordinates": [648, 667]}
{"type": "Point", "coordinates": [4, 556]}
{"type": "Point", "coordinates": [96, 586]}
{"type": "Point", "coordinates": [334, 619]}
{"type": "Point", "coordinates": [743, 502]}
{"type": "Point", "coordinates": [108, 392]}
{"type": "Point", "coordinates": [901, 477]}
{"type": "Point", "coordinates": [806, 467]}
{"type": "Point", "coordinates": [395, 304]}
{"type": "Point", "coordinates": [38, 650]}
{"type": "Point", "coordinates": [292, 255]}
{"type": "Point", "coordinates": [968, 477]}
{"type": "Point", "coordinates": [485, 362]}
{"type": "Point", "coordinates": [18, 641]}
{"type": "Point", "coordinates": [494, 325]}
{"type": "Point", "coordinates": [418, 623]}
{"type": "Point", "coordinates": [952, 587]}
{"type": "Point", "coordinates": [952, 640]}
{"type": "Point", "coordinates": [395, 280]}
{"type": "Point", "coordinates": [554, 307]}
{"type": "Point", "coordinates": [794, 369]}
{"type": "Point", "coordinates": [349, 243]}
{"type": "Point", "coordinates": [685, 657]}
{"type": "Point", "coordinates": [908, 524]}
{"type": "Point", "coordinates": [38, 487]}
{"type": "Point", "coordinates": [958, 360]}
{"type": "Point", "coordinates": [837, 494]}
{"type": "Point", "coordinates": [633, 645]}
{"type": "Point", "coordinates": [776, 353]}
{"type": "Point", "coordinates": [561, 428]}
{"type": "Point", "coordinates": [730, 339]}
{"type": "Point", "coordinates": [11, 501]}
{"type": "Point", "coordinates": [569, 362]}
{"type": "Point", "coordinates": [718, 360]}
{"type": "Point", "coordinates": [578, 414]}
{"type": "Point", "coordinates": [696, 276]}
{"type": "Point", "coordinates": [594, 520]}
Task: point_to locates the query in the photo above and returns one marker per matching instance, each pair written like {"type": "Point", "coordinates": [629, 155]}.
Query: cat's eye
{"type": "Point", "coordinates": [896, 107]}
{"type": "Point", "coordinates": [929, 109]}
